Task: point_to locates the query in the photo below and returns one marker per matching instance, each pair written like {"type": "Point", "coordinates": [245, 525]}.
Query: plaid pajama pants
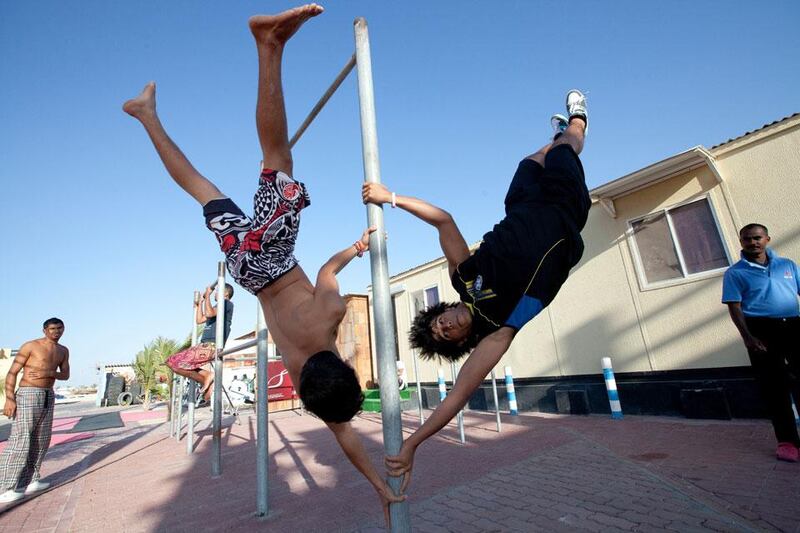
{"type": "Point", "coordinates": [29, 440]}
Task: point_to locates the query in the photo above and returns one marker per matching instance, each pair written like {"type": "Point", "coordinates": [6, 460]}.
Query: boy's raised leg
{"type": "Point", "coordinates": [271, 33]}
{"type": "Point", "coordinates": [143, 108]}
{"type": "Point", "coordinates": [575, 133]}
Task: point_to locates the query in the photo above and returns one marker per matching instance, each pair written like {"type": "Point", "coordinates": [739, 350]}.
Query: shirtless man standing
{"type": "Point", "coordinates": [43, 361]}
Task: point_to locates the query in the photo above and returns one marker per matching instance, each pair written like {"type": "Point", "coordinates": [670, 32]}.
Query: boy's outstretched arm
{"type": "Point", "coordinates": [485, 356]}
{"type": "Point", "coordinates": [453, 245]}
{"type": "Point", "coordinates": [327, 287]}
{"type": "Point", "coordinates": [354, 449]}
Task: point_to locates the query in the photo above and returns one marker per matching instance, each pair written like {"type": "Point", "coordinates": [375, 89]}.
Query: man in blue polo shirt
{"type": "Point", "coordinates": [761, 292]}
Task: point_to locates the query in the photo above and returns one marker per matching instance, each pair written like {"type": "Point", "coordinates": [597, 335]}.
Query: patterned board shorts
{"type": "Point", "coordinates": [194, 357]}
{"type": "Point", "coordinates": [260, 250]}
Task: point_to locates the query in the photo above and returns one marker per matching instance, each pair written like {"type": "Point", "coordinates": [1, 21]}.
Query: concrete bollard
{"type": "Point", "coordinates": [510, 392]}
{"type": "Point", "coordinates": [611, 387]}
{"type": "Point", "coordinates": [442, 386]}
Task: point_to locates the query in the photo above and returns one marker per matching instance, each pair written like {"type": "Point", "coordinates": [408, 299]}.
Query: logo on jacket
{"type": "Point", "coordinates": [787, 274]}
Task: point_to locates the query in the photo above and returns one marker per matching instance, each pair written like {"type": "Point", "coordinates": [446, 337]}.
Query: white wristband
{"type": "Point", "coordinates": [394, 200]}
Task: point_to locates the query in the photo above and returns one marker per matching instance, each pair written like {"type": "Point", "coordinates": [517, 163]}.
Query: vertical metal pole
{"type": "Point", "coordinates": [173, 405]}
{"type": "Point", "coordinates": [179, 417]}
{"type": "Point", "coordinates": [419, 387]}
{"type": "Point", "coordinates": [382, 298]}
{"type": "Point", "coordinates": [460, 415]}
{"type": "Point", "coordinates": [262, 436]}
{"type": "Point", "coordinates": [496, 403]}
{"type": "Point", "coordinates": [216, 443]}
{"type": "Point", "coordinates": [416, 369]}
{"type": "Point", "coordinates": [192, 383]}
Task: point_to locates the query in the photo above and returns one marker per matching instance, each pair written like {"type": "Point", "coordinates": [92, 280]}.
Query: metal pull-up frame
{"type": "Point", "coordinates": [382, 301]}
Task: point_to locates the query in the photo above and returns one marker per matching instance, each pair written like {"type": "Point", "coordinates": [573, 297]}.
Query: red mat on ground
{"type": "Point", "coordinates": [135, 416]}
{"type": "Point", "coordinates": [61, 438]}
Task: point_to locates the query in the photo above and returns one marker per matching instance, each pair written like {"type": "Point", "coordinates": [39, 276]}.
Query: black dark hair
{"type": "Point", "coordinates": [421, 336]}
{"type": "Point", "coordinates": [229, 290]}
{"type": "Point", "coordinates": [753, 225]}
{"type": "Point", "coordinates": [52, 322]}
{"type": "Point", "coordinates": [329, 388]}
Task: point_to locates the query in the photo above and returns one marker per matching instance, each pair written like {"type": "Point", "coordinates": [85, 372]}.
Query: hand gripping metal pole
{"type": "Point", "coordinates": [382, 298]}
{"type": "Point", "coordinates": [192, 383]}
{"type": "Point", "coordinates": [262, 436]}
{"type": "Point", "coordinates": [216, 443]}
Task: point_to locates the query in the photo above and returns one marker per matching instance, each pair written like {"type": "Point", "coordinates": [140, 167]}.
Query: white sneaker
{"type": "Point", "coordinates": [576, 107]}
{"type": "Point", "coordinates": [559, 123]}
{"type": "Point", "coordinates": [36, 486]}
{"type": "Point", "coordinates": [11, 496]}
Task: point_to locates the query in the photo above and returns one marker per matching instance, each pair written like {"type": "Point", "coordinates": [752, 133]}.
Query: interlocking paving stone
{"type": "Point", "coordinates": [542, 473]}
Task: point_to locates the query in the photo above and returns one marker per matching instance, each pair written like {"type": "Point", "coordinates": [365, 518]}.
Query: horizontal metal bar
{"type": "Point", "coordinates": [322, 101]}
{"type": "Point", "coordinates": [239, 348]}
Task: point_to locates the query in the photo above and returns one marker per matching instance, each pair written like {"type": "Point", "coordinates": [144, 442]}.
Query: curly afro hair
{"type": "Point", "coordinates": [421, 336]}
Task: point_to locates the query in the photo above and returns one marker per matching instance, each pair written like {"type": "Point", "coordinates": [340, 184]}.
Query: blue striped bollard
{"type": "Point", "coordinates": [442, 386]}
{"type": "Point", "coordinates": [794, 408]}
{"type": "Point", "coordinates": [611, 387]}
{"type": "Point", "coordinates": [512, 395]}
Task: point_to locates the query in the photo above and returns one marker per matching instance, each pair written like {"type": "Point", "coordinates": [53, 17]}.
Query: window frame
{"type": "Point", "coordinates": [644, 285]}
{"type": "Point", "coordinates": [425, 294]}
{"type": "Point", "coordinates": [425, 303]}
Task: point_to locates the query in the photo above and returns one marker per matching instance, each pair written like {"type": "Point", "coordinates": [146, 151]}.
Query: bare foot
{"type": "Point", "coordinates": [207, 382]}
{"type": "Point", "coordinates": [277, 29]}
{"type": "Point", "coordinates": [143, 104]}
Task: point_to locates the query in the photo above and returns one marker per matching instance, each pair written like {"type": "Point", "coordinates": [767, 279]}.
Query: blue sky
{"type": "Point", "coordinates": [96, 233]}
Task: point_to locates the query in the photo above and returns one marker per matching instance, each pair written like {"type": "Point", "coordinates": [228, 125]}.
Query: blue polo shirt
{"type": "Point", "coordinates": [764, 291]}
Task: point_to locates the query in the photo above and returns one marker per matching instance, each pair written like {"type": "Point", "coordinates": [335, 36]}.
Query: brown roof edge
{"type": "Point", "coordinates": [765, 126]}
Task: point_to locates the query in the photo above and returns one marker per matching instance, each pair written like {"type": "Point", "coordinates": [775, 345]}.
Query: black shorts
{"type": "Point", "coordinates": [561, 183]}
{"type": "Point", "coordinates": [260, 250]}
{"type": "Point", "coordinates": [527, 256]}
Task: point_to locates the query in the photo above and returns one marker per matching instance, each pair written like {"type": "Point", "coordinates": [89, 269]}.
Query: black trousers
{"type": "Point", "coordinates": [778, 371]}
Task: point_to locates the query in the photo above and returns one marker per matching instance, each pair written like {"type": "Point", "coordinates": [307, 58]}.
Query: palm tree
{"type": "Point", "coordinates": [149, 362]}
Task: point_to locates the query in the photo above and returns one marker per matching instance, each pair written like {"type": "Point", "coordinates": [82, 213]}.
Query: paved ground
{"type": "Point", "coordinates": [542, 473]}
